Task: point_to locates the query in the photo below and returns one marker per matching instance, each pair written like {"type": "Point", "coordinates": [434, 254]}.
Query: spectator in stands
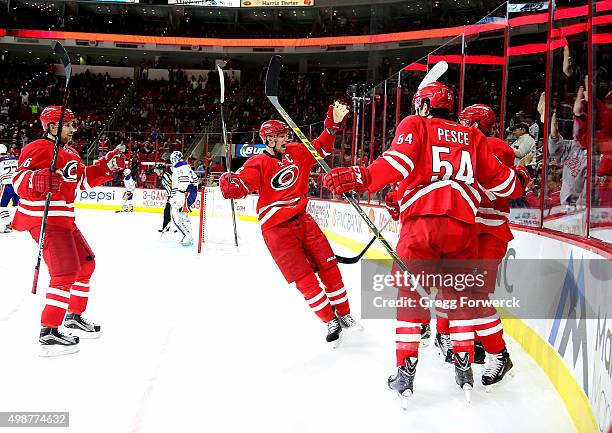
{"type": "Point", "coordinates": [199, 168]}
{"type": "Point", "coordinates": [571, 155]}
{"type": "Point", "coordinates": [524, 146]}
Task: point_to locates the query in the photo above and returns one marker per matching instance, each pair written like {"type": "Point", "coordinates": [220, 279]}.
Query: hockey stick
{"type": "Point", "coordinates": [122, 206]}
{"type": "Point", "coordinates": [60, 52]}
{"type": "Point", "coordinates": [227, 148]}
{"type": "Point", "coordinates": [353, 260]}
{"type": "Point", "coordinates": [434, 73]}
{"type": "Point", "coordinates": [271, 89]}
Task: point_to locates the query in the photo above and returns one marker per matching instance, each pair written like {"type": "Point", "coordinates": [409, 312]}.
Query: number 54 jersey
{"type": "Point", "coordinates": [440, 165]}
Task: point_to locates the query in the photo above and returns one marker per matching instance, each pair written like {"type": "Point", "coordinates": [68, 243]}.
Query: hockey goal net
{"type": "Point", "coordinates": [216, 228]}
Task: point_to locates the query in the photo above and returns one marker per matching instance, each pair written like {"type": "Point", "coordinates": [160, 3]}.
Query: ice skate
{"type": "Point", "coordinates": [445, 347]}
{"type": "Point", "coordinates": [425, 335]}
{"type": "Point", "coordinates": [499, 367]}
{"type": "Point", "coordinates": [55, 343]}
{"type": "Point", "coordinates": [333, 332]}
{"type": "Point", "coordinates": [78, 325]}
{"type": "Point", "coordinates": [187, 240]}
{"type": "Point", "coordinates": [479, 353]}
{"type": "Point", "coordinates": [347, 321]}
{"type": "Point", "coordinates": [463, 374]}
{"type": "Point", "coordinates": [403, 382]}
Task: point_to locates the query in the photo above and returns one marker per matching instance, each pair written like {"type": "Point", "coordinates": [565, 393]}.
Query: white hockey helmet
{"type": "Point", "coordinates": [127, 172]}
{"type": "Point", "coordinates": [3, 149]}
{"type": "Point", "coordinates": [176, 156]}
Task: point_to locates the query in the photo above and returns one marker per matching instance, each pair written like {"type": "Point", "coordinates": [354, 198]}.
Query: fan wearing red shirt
{"type": "Point", "coordinates": [295, 241]}
{"type": "Point", "coordinates": [438, 164]}
{"type": "Point", "coordinates": [69, 258]}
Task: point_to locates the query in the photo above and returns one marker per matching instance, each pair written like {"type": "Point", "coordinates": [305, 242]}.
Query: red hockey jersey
{"type": "Point", "coordinates": [282, 183]}
{"type": "Point", "coordinates": [438, 164]}
{"type": "Point", "coordinates": [38, 154]}
{"type": "Point", "coordinates": [493, 213]}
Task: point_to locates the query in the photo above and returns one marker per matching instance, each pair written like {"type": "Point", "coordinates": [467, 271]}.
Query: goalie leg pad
{"type": "Point", "coordinates": [315, 297]}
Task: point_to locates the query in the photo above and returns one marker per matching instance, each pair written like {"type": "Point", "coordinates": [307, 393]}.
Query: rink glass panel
{"type": "Point", "coordinates": [601, 105]}
{"type": "Point", "coordinates": [567, 141]}
{"type": "Point", "coordinates": [528, 65]}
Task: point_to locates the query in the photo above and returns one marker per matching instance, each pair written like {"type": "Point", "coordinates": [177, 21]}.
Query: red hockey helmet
{"type": "Point", "coordinates": [439, 96]}
{"type": "Point", "coordinates": [52, 113]}
{"type": "Point", "coordinates": [481, 113]}
{"type": "Point", "coordinates": [272, 128]}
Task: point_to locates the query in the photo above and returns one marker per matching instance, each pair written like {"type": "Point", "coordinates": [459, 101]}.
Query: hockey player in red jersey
{"type": "Point", "coordinates": [69, 258]}
{"type": "Point", "coordinates": [295, 241]}
{"type": "Point", "coordinates": [437, 164]}
{"type": "Point", "coordinates": [493, 234]}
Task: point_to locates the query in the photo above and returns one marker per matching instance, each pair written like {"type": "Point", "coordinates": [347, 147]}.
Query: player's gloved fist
{"type": "Point", "coordinates": [114, 159]}
{"type": "Point", "coordinates": [231, 189]}
{"type": "Point", "coordinates": [345, 179]}
{"type": "Point", "coordinates": [43, 181]}
{"type": "Point", "coordinates": [523, 175]}
{"type": "Point", "coordinates": [392, 205]}
{"type": "Point", "coordinates": [336, 116]}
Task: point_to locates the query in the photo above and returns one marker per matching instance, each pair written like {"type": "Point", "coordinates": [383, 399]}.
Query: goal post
{"type": "Point", "coordinates": [216, 227]}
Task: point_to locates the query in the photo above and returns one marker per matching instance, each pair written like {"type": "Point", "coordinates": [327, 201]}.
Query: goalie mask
{"type": "Point", "coordinates": [176, 156]}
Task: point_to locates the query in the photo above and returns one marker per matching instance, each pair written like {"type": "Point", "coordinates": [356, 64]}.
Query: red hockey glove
{"type": "Point", "coordinates": [43, 181]}
{"type": "Point", "coordinates": [392, 205]}
{"type": "Point", "coordinates": [336, 116]}
{"type": "Point", "coordinates": [114, 159]}
{"type": "Point", "coordinates": [523, 175]}
{"type": "Point", "coordinates": [233, 189]}
{"type": "Point", "coordinates": [345, 179]}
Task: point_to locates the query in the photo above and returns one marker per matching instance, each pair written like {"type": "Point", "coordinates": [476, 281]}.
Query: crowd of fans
{"type": "Point", "coordinates": [26, 90]}
{"type": "Point", "coordinates": [191, 22]}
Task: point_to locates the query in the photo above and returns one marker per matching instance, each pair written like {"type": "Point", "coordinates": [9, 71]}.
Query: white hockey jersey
{"type": "Point", "coordinates": [129, 183]}
{"type": "Point", "coordinates": [183, 177]}
{"type": "Point", "coordinates": [8, 167]}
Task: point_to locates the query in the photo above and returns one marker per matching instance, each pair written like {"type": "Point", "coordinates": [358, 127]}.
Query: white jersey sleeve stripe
{"type": "Point", "coordinates": [396, 165]}
{"type": "Point", "coordinates": [504, 184]}
{"type": "Point", "coordinates": [403, 157]}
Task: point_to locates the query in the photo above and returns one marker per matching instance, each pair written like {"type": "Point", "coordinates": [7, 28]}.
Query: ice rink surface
{"type": "Point", "coordinates": [220, 343]}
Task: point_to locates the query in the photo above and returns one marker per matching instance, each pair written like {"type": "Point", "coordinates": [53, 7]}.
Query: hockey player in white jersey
{"type": "Point", "coordinates": [184, 194]}
{"type": "Point", "coordinates": [130, 186]}
{"type": "Point", "coordinates": [8, 166]}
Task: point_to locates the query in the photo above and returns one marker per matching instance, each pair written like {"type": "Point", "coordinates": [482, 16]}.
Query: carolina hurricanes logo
{"type": "Point", "coordinates": [285, 178]}
{"type": "Point", "coordinates": [70, 171]}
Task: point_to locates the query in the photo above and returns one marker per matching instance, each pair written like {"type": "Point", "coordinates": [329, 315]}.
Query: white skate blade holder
{"type": "Point", "coordinates": [47, 351]}
{"type": "Point", "coordinates": [335, 344]}
{"type": "Point", "coordinates": [467, 390]}
{"type": "Point", "coordinates": [405, 398]}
